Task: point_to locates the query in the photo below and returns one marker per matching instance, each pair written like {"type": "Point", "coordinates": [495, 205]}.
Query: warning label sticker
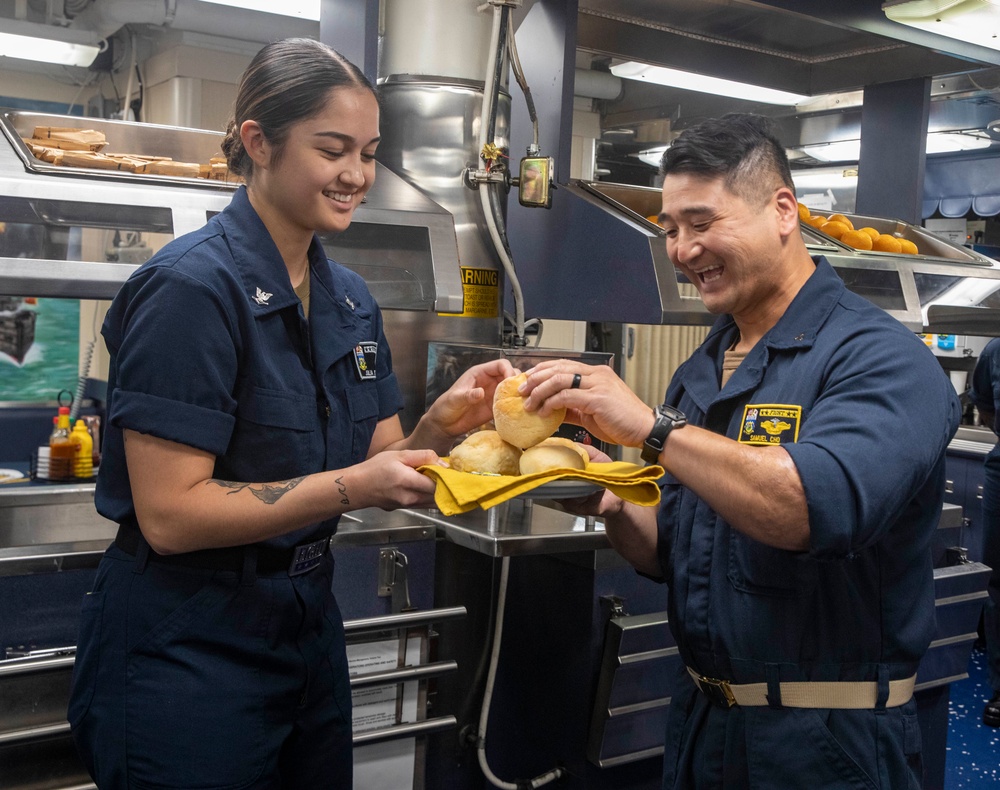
{"type": "Point", "coordinates": [481, 292]}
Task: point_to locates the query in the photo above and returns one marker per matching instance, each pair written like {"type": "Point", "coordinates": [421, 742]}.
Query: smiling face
{"type": "Point", "coordinates": [734, 251]}
{"type": "Point", "coordinates": [325, 166]}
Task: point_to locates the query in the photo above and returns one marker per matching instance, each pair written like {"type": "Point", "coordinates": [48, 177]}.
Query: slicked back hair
{"type": "Point", "coordinates": [741, 148]}
{"type": "Point", "coordinates": [286, 82]}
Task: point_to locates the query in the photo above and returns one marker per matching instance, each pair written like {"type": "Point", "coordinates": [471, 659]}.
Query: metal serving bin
{"type": "Point", "coordinates": [140, 139]}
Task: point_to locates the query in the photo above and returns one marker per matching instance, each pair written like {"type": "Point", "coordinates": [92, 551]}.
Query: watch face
{"type": "Point", "coordinates": [673, 414]}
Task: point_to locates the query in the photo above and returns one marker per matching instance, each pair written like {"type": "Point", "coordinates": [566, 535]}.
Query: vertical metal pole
{"type": "Point", "coordinates": [893, 144]}
{"type": "Point", "coordinates": [546, 44]}
{"type": "Point", "coordinates": [351, 28]}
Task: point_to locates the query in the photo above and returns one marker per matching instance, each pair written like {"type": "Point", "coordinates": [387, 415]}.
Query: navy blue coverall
{"type": "Point", "coordinates": [865, 412]}
{"type": "Point", "coordinates": [985, 394]}
{"type": "Point", "coordinates": [218, 670]}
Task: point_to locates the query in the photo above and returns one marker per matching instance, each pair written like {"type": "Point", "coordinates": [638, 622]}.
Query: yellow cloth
{"type": "Point", "coordinates": [458, 492]}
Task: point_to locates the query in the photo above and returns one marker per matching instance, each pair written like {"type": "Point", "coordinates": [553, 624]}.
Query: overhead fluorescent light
{"type": "Point", "coordinates": [946, 142]}
{"type": "Point", "coordinates": [973, 21]}
{"type": "Point", "coordinates": [703, 84]}
{"type": "Point", "coordinates": [823, 178]}
{"type": "Point", "coordinates": [937, 143]}
{"type": "Point", "coordinates": [304, 9]}
{"type": "Point", "coordinates": [48, 44]}
{"type": "Point", "coordinates": [652, 156]}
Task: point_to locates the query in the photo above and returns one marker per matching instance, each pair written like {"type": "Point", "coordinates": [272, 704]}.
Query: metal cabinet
{"type": "Point", "coordinates": [50, 544]}
{"type": "Point", "coordinates": [965, 477]}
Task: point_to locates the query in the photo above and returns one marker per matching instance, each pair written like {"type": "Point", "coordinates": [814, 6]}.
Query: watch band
{"type": "Point", "coordinates": [667, 418]}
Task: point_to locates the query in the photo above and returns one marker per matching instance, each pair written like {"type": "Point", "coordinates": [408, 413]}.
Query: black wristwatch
{"type": "Point", "coordinates": [667, 418]}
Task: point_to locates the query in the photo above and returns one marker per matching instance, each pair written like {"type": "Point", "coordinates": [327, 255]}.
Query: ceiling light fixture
{"type": "Point", "coordinates": [652, 156]}
{"type": "Point", "coordinates": [973, 21]}
{"type": "Point", "coordinates": [937, 143]}
{"type": "Point", "coordinates": [699, 82]}
{"type": "Point", "coordinates": [48, 44]}
{"type": "Point", "coordinates": [304, 9]}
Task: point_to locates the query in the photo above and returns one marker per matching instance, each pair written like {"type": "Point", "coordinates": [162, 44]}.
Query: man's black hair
{"type": "Point", "coordinates": [739, 147]}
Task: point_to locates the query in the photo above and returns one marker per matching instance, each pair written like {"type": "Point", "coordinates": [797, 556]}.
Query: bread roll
{"type": "Point", "coordinates": [515, 425]}
{"type": "Point", "coordinates": [553, 453]}
{"type": "Point", "coordinates": [486, 453]}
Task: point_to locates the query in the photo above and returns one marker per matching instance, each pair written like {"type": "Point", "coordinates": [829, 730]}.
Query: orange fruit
{"type": "Point", "coordinates": [908, 247]}
{"type": "Point", "coordinates": [803, 211]}
{"type": "Point", "coordinates": [857, 239]}
{"type": "Point", "coordinates": [871, 232]}
{"type": "Point", "coordinates": [841, 218]}
{"type": "Point", "coordinates": [654, 218]}
{"type": "Point", "coordinates": [834, 228]}
{"type": "Point", "coordinates": [887, 243]}
{"type": "Point", "coordinates": [815, 220]}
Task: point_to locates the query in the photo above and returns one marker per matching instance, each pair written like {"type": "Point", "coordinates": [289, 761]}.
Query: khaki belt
{"type": "Point", "coordinates": [805, 694]}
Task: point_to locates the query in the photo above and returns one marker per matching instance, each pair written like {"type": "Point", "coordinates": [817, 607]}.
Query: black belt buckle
{"type": "Point", "coordinates": [717, 691]}
{"type": "Point", "coordinates": [307, 557]}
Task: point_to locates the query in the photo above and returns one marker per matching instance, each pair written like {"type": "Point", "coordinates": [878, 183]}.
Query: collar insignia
{"type": "Point", "coordinates": [262, 296]}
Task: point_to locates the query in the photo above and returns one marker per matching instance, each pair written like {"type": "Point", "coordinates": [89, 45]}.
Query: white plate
{"type": "Point", "coordinates": [561, 489]}
{"type": "Point", "coordinates": [10, 474]}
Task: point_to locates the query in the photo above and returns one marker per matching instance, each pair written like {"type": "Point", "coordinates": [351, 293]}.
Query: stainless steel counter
{"type": "Point", "coordinates": [973, 440]}
{"type": "Point", "coordinates": [516, 527]}
{"type": "Point", "coordinates": [519, 527]}
{"type": "Point", "coordinates": [43, 523]}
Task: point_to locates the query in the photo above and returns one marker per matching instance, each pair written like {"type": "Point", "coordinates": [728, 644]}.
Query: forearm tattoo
{"type": "Point", "coordinates": [268, 493]}
{"type": "Point", "coordinates": [342, 488]}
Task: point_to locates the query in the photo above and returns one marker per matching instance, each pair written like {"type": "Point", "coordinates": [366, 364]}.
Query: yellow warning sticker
{"type": "Point", "coordinates": [480, 292]}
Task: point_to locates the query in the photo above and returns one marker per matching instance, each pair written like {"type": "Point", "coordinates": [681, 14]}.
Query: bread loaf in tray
{"type": "Point", "coordinates": [515, 425]}
{"type": "Point", "coordinates": [553, 453]}
{"type": "Point", "coordinates": [484, 452]}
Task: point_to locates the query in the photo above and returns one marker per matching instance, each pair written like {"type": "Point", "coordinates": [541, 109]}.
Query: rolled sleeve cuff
{"type": "Point", "coordinates": [186, 423]}
{"type": "Point", "coordinates": [829, 500]}
{"type": "Point", "coordinates": [389, 397]}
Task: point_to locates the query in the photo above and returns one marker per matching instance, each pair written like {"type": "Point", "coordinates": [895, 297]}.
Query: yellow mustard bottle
{"type": "Point", "coordinates": [83, 451]}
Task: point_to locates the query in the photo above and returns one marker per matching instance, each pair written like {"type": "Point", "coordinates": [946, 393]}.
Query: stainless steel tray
{"type": "Point", "coordinates": [124, 137]}
{"type": "Point", "coordinates": [932, 247]}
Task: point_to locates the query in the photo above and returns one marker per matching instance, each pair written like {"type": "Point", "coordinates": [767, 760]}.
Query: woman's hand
{"type": "Point", "coordinates": [388, 480]}
{"type": "Point", "coordinates": [600, 401]}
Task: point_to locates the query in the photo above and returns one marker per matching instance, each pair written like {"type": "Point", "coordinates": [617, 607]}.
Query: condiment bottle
{"type": "Point", "coordinates": [61, 449]}
{"type": "Point", "coordinates": [83, 457]}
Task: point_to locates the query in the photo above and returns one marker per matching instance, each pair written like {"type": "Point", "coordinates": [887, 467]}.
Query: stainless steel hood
{"type": "Point", "coordinates": [401, 242]}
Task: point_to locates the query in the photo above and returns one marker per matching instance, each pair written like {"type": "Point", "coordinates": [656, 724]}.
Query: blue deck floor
{"type": "Point", "coordinates": [973, 751]}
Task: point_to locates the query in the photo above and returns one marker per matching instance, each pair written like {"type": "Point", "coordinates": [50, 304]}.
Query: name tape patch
{"type": "Point", "coordinates": [770, 423]}
{"type": "Point", "coordinates": [365, 354]}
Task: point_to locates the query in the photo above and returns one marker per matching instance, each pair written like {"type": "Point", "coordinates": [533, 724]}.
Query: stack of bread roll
{"type": "Point", "coordinates": [522, 442]}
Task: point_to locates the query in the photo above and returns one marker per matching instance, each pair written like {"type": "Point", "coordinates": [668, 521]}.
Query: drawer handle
{"type": "Point", "coordinates": [411, 730]}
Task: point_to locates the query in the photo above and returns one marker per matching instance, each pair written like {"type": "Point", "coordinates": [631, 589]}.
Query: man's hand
{"type": "Point", "coordinates": [598, 400]}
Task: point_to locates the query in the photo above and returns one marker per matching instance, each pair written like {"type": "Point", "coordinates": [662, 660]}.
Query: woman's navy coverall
{"type": "Point", "coordinates": [201, 677]}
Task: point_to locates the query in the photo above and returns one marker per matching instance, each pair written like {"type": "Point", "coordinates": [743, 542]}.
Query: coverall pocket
{"type": "Point", "coordinates": [362, 406]}
{"type": "Point", "coordinates": [195, 706]}
{"type": "Point", "coordinates": [795, 748]}
{"type": "Point", "coordinates": [86, 667]}
{"type": "Point", "coordinates": [276, 409]}
{"type": "Point", "coordinates": [763, 570]}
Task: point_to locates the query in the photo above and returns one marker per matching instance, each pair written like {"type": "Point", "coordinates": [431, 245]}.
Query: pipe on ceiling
{"type": "Point", "coordinates": [106, 17]}
{"type": "Point", "coordinates": [592, 84]}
